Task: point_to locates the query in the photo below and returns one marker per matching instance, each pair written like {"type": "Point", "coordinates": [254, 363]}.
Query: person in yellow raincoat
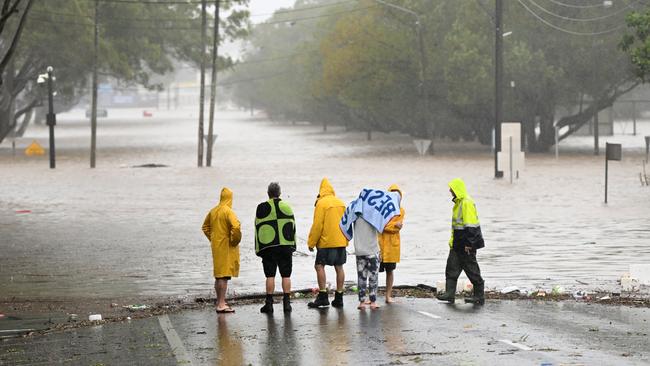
{"type": "Point", "coordinates": [223, 229]}
{"type": "Point", "coordinates": [389, 245]}
{"type": "Point", "coordinates": [466, 238]}
{"type": "Point", "coordinates": [326, 236]}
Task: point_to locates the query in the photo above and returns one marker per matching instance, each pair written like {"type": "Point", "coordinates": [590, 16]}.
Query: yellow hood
{"type": "Point", "coordinates": [326, 189]}
{"type": "Point", "coordinates": [458, 186]}
{"type": "Point", "coordinates": [226, 197]}
{"type": "Point", "coordinates": [395, 188]}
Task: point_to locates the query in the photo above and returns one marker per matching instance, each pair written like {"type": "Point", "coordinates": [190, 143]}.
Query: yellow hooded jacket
{"type": "Point", "coordinates": [389, 240]}
{"type": "Point", "coordinates": [223, 229]}
{"type": "Point", "coordinates": [465, 226]}
{"type": "Point", "coordinates": [325, 231]}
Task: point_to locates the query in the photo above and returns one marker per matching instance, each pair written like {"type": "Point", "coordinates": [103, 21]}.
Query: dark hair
{"type": "Point", "coordinates": [274, 190]}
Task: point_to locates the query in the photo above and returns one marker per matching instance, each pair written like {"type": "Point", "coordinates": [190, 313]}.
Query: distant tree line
{"type": "Point", "coordinates": [358, 64]}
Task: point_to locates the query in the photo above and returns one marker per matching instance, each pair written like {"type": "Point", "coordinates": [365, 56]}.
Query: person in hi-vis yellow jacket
{"type": "Point", "coordinates": [466, 238]}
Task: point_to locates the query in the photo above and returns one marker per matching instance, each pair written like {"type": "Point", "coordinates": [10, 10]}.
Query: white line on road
{"type": "Point", "coordinates": [174, 341]}
{"type": "Point", "coordinates": [433, 316]}
{"type": "Point", "coordinates": [520, 346]}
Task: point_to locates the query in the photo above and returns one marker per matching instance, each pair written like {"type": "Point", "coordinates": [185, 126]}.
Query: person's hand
{"type": "Point", "coordinates": [468, 250]}
{"type": "Point", "coordinates": [399, 225]}
{"type": "Point", "coordinates": [311, 249]}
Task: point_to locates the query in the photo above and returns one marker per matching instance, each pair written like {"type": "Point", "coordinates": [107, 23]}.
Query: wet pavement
{"type": "Point", "coordinates": [414, 331]}
{"type": "Point", "coordinates": [119, 232]}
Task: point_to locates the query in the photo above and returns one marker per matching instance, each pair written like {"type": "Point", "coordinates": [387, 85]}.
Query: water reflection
{"type": "Point", "coordinates": [229, 346]}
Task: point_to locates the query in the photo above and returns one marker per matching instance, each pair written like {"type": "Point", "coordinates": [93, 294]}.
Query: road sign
{"type": "Point", "coordinates": [34, 149]}
{"type": "Point", "coordinates": [612, 152]}
{"type": "Point", "coordinates": [511, 158]}
{"type": "Point", "coordinates": [422, 146]}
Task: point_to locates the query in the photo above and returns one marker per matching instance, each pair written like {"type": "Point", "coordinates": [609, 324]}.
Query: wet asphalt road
{"type": "Point", "coordinates": [415, 331]}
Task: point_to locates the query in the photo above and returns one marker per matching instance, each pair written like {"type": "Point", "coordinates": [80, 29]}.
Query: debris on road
{"type": "Point", "coordinates": [95, 317]}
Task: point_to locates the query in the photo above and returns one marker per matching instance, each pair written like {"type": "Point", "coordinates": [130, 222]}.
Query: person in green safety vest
{"type": "Point", "coordinates": [466, 239]}
{"type": "Point", "coordinates": [275, 242]}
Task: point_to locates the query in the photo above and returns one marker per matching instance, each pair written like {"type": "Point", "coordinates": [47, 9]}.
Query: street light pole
{"type": "Point", "coordinates": [93, 108]}
{"type": "Point", "coordinates": [51, 117]}
{"type": "Point", "coordinates": [213, 83]}
{"type": "Point", "coordinates": [498, 83]}
{"type": "Point", "coordinates": [424, 91]}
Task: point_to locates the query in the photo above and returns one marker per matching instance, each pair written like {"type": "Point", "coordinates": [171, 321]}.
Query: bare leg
{"type": "Point", "coordinates": [286, 285]}
{"type": "Point", "coordinates": [270, 285]}
{"type": "Point", "coordinates": [320, 276]}
{"type": "Point", "coordinates": [216, 290]}
{"type": "Point", "coordinates": [389, 287]}
{"type": "Point", "coordinates": [222, 287]}
{"type": "Point", "coordinates": [340, 278]}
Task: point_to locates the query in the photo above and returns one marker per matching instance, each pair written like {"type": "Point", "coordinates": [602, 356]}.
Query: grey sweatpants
{"type": "Point", "coordinates": [368, 276]}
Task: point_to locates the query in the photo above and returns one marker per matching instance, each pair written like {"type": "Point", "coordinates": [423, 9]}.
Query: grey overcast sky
{"type": "Point", "coordinates": [267, 6]}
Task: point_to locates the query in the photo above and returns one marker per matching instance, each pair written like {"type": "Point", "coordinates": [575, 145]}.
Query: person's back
{"type": "Point", "coordinates": [366, 249]}
{"type": "Point", "coordinates": [325, 231]}
{"type": "Point", "coordinates": [326, 236]}
{"type": "Point", "coordinates": [223, 229]}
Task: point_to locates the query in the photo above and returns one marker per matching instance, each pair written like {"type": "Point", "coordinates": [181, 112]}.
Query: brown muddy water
{"type": "Point", "coordinates": [122, 232]}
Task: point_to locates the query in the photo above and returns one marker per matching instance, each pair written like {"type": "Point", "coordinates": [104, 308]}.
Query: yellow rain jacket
{"type": "Point", "coordinates": [325, 231]}
{"type": "Point", "coordinates": [389, 240]}
{"type": "Point", "coordinates": [222, 228]}
{"type": "Point", "coordinates": [465, 227]}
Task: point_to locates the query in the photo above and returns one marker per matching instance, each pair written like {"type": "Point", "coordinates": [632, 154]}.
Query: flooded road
{"type": "Point", "coordinates": [118, 231]}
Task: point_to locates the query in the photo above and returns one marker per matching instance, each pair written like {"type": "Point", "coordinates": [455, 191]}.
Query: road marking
{"type": "Point", "coordinates": [433, 316]}
{"type": "Point", "coordinates": [174, 341]}
{"type": "Point", "coordinates": [520, 346]}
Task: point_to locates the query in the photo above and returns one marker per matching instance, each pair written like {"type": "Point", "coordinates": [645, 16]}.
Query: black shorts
{"type": "Point", "coordinates": [388, 267]}
{"type": "Point", "coordinates": [274, 258]}
{"type": "Point", "coordinates": [331, 256]}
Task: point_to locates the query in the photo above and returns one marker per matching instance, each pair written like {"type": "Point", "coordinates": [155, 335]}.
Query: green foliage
{"type": "Point", "coordinates": [637, 45]}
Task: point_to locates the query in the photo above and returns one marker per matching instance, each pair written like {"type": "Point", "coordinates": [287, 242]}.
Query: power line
{"type": "Point", "coordinates": [316, 16]}
{"type": "Point", "coordinates": [196, 19]}
{"type": "Point", "coordinates": [583, 19]}
{"type": "Point", "coordinates": [577, 6]}
{"type": "Point", "coordinates": [568, 31]}
{"type": "Point", "coordinates": [292, 20]}
{"type": "Point", "coordinates": [304, 8]}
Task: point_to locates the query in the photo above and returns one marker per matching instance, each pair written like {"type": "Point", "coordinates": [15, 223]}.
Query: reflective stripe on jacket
{"type": "Point", "coordinates": [465, 225]}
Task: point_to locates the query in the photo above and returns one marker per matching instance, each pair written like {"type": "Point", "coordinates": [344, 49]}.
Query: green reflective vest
{"type": "Point", "coordinates": [275, 226]}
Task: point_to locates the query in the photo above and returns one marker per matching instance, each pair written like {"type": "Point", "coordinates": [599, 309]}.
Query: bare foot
{"type": "Point", "coordinates": [362, 306]}
{"type": "Point", "coordinates": [374, 306]}
{"type": "Point", "coordinates": [391, 300]}
{"type": "Point", "coordinates": [367, 302]}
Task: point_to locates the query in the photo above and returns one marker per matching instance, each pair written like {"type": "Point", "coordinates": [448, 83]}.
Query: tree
{"type": "Point", "coordinates": [137, 42]}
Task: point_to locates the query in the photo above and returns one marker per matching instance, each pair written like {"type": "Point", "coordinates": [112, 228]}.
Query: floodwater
{"type": "Point", "coordinates": [119, 231]}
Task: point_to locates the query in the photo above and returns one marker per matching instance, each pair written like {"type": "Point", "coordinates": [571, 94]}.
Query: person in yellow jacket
{"type": "Point", "coordinates": [223, 229]}
{"type": "Point", "coordinates": [326, 236]}
{"type": "Point", "coordinates": [389, 245]}
{"type": "Point", "coordinates": [466, 239]}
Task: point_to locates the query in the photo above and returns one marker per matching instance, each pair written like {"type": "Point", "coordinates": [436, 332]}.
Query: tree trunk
{"type": "Point", "coordinates": [25, 122]}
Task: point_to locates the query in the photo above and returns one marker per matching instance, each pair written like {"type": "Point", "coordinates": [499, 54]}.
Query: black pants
{"type": "Point", "coordinates": [461, 261]}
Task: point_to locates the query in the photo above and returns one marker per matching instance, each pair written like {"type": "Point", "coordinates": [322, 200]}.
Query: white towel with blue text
{"type": "Point", "coordinates": [375, 206]}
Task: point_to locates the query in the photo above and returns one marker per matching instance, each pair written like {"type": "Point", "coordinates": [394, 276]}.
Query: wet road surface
{"type": "Point", "coordinates": [414, 331]}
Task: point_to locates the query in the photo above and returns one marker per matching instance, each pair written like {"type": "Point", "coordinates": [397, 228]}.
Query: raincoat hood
{"type": "Point", "coordinates": [458, 186]}
{"type": "Point", "coordinates": [395, 188]}
{"type": "Point", "coordinates": [326, 189]}
{"type": "Point", "coordinates": [226, 197]}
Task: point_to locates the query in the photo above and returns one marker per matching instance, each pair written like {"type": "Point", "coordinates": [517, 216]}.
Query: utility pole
{"type": "Point", "coordinates": [51, 117]}
{"type": "Point", "coordinates": [423, 87]}
{"type": "Point", "coordinates": [213, 82]}
{"type": "Point", "coordinates": [202, 91]}
{"type": "Point", "coordinates": [93, 112]}
{"type": "Point", "coordinates": [498, 82]}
